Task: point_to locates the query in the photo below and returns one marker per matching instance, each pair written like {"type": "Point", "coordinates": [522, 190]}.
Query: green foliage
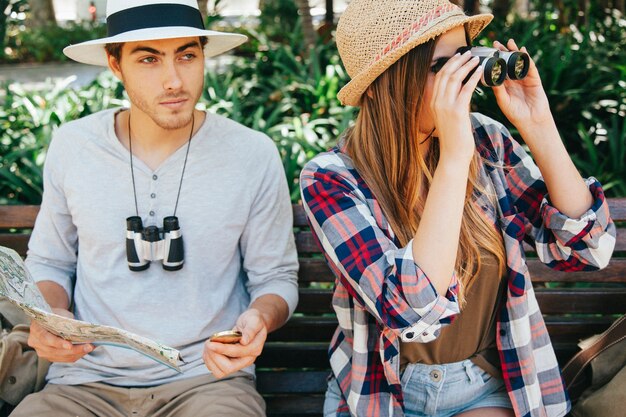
{"type": "Point", "coordinates": [214, 16]}
{"type": "Point", "coordinates": [278, 18]}
{"type": "Point", "coordinates": [288, 97]}
{"type": "Point", "coordinates": [9, 10]}
{"type": "Point", "coordinates": [272, 87]}
{"type": "Point", "coordinates": [46, 44]}
{"type": "Point", "coordinates": [604, 153]}
{"type": "Point", "coordinates": [27, 120]}
{"type": "Point", "coordinates": [583, 70]}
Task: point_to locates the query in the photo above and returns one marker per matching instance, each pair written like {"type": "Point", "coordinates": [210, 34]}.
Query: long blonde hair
{"type": "Point", "coordinates": [383, 145]}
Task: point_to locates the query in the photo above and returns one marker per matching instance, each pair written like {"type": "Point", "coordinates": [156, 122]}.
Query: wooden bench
{"type": "Point", "coordinates": [294, 365]}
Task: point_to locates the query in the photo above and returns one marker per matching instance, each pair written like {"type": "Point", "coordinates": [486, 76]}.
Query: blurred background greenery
{"type": "Point", "coordinates": [284, 82]}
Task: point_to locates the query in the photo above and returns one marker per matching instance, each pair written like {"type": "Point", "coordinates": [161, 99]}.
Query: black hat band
{"type": "Point", "coordinates": [153, 16]}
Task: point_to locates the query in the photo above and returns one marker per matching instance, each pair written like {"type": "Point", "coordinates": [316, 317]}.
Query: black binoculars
{"type": "Point", "coordinates": [494, 64]}
{"type": "Point", "coordinates": [151, 244]}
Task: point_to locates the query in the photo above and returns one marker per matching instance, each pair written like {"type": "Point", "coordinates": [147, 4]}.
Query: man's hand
{"type": "Point", "coordinates": [224, 359]}
{"type": "Point", "coordinates": [55, 348]}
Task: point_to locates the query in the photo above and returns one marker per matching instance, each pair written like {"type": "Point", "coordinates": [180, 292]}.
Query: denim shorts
{"type": "Point", "coordinates": [439, 390]}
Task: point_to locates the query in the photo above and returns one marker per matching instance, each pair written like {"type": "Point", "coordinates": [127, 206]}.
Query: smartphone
{"type": "Point", "coordinates": [228, 336]}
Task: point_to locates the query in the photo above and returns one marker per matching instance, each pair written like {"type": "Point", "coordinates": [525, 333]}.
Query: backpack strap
{"type": "Point", "coordinates": [574, 369]}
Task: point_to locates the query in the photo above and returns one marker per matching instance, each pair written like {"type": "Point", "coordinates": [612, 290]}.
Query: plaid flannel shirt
{"type": "Point", "coordinates": [382, 296]}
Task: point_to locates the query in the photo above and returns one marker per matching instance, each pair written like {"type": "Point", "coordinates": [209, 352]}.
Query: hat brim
{"type": "Point", "coordinates": [351, 93]}
{"type": "Point", "coordinates": [93, 52]}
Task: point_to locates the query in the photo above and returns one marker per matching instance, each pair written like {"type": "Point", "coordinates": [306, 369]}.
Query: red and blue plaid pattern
{"type": "Point", "coordinates": [382, 296]}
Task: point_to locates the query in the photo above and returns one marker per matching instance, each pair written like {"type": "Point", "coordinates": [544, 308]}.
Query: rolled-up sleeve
{"type": "Point", "coordinates": [562, 243]}
{"type": "Point", "coordinates": [269, 253]}
{"type": "Point", "coordinates": [52, 248]}
{"type": "Point", "coordinates": [381, 277]}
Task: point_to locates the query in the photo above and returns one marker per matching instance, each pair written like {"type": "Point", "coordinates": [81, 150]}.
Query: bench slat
{"type": "Point", "coordinates": [572, 330]}
{"type": "Point", "coordinates": [23, 216]}
{"type": "Point", "coordinates": [291, 382]}
{"type": "Point", "coordinates": [321, 329]}
{"type": "Point", "coordinates": [296, 355]}
{"type": "Point", "coordinates": [615, 272]}
{"type": "Point", "coordinates": [295, 406]}
{"type": "Point", "coordinates": [316, 270]}
{"type": "Point", "coordinates": [17, 242]}
{"type": "Point", "coordinates": [305, 243]}
{"type": "Point", "coordinates": [314, 356]}
{"type": "Point", "coordinates": [305, 329]}
{"type": "Point", "coordinates": [617, 207]}
{"type": "Point", "coordinates": [18, 217]}
{"type": "Point", "coordinates": [582, 300]}
{"type": "Point", "coordinates": [551, 301]}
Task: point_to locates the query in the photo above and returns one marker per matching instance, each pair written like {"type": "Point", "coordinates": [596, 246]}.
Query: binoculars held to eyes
{"type": "Point", "coordinates": [151, 244]}
{"type": "Point", "coordinates": [495, 65]}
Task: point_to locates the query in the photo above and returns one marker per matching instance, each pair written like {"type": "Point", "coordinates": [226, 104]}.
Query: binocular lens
{"type": "Point", "coordinates": [496, 73]}
{"type": "Point", "coordinates": [518, 66]}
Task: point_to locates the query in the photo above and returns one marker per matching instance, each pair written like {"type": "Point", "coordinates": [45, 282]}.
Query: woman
{"type": "Point", "coordinates": [421, 210]}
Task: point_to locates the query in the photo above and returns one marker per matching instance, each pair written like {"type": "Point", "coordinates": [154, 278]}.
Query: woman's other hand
{"type": "Point", "coordinates": [523, 102]}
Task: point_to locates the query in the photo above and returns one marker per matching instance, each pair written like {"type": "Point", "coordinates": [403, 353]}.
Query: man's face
{"type": "Point", "coordinates": [163, 78]}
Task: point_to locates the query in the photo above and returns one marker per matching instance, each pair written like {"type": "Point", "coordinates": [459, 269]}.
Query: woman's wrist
{"type": "Point", "coordinates": [455, 164]}
{"type": "Point", "coordinates": [540, 137]}
{"type": "Point", "coordinates": [458, 153]}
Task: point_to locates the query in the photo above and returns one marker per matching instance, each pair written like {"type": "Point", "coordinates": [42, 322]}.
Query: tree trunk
{"type": "Point", "coordinates": [3, 25]}
{"type": "Point", "coordinates": [304, 9]}
{"type": "Point", "coordinates": [329, 18]}
{"type": "Point", "coordinates": [563, 13]}
{"type": "Point", "coordinates": [582, 19]}
{"type": "Point", "coordinates": [471, 7]}
{"type": "Point", "coordinates": [41, 13]}
{"type": "Point", "coordinates": [501, 8]}
{"type": "Point", "coordinates": [521, 8]}
{"type": "Point", "coordinates": [202, 5]}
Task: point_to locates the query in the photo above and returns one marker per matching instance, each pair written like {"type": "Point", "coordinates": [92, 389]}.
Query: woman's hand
{"type": "Point", "coordinates": [523, 102]}
{"type": "Point", "coordinates": [450, 105]}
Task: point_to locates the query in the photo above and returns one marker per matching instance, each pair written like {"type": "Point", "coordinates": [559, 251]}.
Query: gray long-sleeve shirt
{"type": "Point", "coordinates": [235, 218]}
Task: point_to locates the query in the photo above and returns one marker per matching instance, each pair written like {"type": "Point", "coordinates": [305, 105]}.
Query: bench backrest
{"type": "Point", "coordinates": [294, 365]}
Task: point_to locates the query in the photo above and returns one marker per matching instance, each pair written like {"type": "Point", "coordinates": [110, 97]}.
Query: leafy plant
{"type": "Point", "coordinates": [27, 121]}
{"type": "Point", "coordinates": [46, 44]}
{"type": "Point", "coordinates": [273, 87]}
{"type": "Point", "coordinates": [583, 71]}
{"type": "Point", "coordinates": [604, 153]}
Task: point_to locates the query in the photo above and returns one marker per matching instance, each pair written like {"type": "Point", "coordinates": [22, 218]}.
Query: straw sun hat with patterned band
{"type": "Point", "coordinates": [141, 20]}
{"type": "Point", "coordinates": [374, 34]}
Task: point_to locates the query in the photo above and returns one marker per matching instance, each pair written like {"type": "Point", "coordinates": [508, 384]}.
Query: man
{"type": "Point", "coordinates": [159, 158]}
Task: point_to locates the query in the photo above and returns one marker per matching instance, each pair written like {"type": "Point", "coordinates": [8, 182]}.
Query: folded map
{"type": "Point", "coordinates": [18, 286]}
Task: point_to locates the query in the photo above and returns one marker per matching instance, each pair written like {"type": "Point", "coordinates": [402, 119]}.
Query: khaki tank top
{"type": "Point", "coordinates": [472, 335]}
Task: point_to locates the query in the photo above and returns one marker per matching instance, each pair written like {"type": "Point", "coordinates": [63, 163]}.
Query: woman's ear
{"type": "Point", "coordinates": [369, 92]}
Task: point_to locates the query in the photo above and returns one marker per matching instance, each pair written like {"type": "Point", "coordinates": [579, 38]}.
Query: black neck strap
{"type": "Point", "coordinates": [153, 16]}
{"type": "Point", "coordinates": [132, 169]}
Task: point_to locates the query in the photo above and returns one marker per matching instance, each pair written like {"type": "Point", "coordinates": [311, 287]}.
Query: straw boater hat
{"type": "Point", "coordinates": [374, 34]}
{"type": "Point", "coordinates": [141, 20]}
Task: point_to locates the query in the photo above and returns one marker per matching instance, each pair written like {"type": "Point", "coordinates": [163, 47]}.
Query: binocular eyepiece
{"type": "Point", "coordinates": [144, 245]}
{"type": "Point", "coordinates": [494, 64]}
